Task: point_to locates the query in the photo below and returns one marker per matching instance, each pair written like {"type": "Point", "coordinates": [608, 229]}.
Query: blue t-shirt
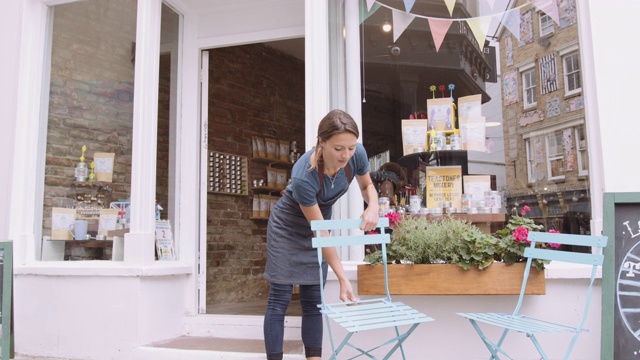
{"type": "Point", "coordinates": [305, 184]}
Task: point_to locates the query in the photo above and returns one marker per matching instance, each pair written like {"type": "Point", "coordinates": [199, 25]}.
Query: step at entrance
{"type": "Point", "coordinates": [199, 347]}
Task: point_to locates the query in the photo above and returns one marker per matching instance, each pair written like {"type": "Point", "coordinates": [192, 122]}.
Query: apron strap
{"type": "Point", "coordinates": [347, 170]}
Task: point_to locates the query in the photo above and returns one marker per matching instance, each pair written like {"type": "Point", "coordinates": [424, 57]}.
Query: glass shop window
{"type": "Point", "coordinates": [537, 150]}
{"type": "Point", "coordinates": [88, 166]}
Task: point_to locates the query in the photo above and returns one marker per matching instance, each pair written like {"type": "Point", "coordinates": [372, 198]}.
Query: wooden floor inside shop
{"type": "Point", "coordinates": [252, 308]}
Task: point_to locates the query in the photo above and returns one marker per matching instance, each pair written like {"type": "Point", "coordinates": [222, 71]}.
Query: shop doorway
{"type": "Point", "coordinates": [249, 91]}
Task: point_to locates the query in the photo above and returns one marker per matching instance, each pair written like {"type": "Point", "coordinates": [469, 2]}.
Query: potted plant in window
{"type": "Point", "coordinates": [451, 256]}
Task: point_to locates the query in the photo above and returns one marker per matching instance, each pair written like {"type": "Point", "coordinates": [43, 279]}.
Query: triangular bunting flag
{"type": "Point", "coordinates": [408, 4]}
{"type": "Point", "coordinates": [364, 13]}
{"type": "Point", "coordinates": [550, 7]}
{"type": "Point", "coordinates": [439, 28]}
{"type": "Point", "coordinates": [491, 3]}
{"type": "Point", "coordinates": [370, 4]}
{"type": "Point", "coordinates": [479, 26]}
{"type": "Point", "coordinates": [401, 21]}
{"type": "Point", "coordinates": [450, 5]}
{"type": "Point", "coordinates": [511, 21]}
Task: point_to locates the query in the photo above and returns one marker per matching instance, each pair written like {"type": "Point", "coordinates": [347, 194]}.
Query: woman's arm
{"type": "Point", "coordinates": [331, 256]}
{"type": "Point", "coordinates": [370, 195]}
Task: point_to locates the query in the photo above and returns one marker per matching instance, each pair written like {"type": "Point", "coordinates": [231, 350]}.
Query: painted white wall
{"type": "Point", "coordinates": [84, 310]}
{"type": "Point", "coordinates": [10, 24]}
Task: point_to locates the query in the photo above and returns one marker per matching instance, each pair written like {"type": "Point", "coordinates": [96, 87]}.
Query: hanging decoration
{"type": "Point", "coordinates": [400, 22]}
{"type": "Point", "coordinates": [450, 5]}
{"type": "Point", "coordinates": [439, 28]}
{"type": "Point", "coordinates": [511, 19]}
{"type": "Point", "coordinates": [408, 4]}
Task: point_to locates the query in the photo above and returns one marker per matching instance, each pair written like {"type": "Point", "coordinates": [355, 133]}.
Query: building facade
{"type": "Point", "coordinates": [118, 309]}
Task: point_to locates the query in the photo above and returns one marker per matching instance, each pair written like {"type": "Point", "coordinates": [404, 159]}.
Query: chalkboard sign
{"type": "Point", "coordinates": [621, 277]}
{"type": "Point", "coordinates": [6, 301]}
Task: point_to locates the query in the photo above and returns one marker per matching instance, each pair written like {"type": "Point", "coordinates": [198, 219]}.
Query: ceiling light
{"type": "Point", "coordinates": [386, 26]}
{"type": "Point", "coordinates": [492, 123]}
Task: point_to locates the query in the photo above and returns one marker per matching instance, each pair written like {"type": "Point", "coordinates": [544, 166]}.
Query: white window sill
{"type": "Point", "coordinates": [102, 268]}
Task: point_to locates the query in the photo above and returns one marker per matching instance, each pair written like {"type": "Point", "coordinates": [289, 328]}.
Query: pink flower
{"type": "Point", "coordinates": [525, 210]}
{"type": "Point", "coordinates": [372, 232]}
{"type": "Point", "coordinates": [521, 234]}
{"type": "Point", "coordinates": [393, 217]}
{"type": "Point", "coordinates": [554, 245]}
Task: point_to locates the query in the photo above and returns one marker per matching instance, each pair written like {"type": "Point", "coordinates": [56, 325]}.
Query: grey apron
{"type": "Point", "coordinates": [290, 257]}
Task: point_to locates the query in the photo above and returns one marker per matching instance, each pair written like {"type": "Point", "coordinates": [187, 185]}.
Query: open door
{"type": "Point", "coordinates": [204, 156]}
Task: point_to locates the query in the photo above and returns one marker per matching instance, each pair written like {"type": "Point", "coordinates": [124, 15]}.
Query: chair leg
{"type": "Point", "coordinates": [493, 348]}
{"type": "Point", "coordinates": [538, 346]}
{"type": "Point", "coordinates": [337, 350]}
{"type": "Point", "coordinates": [400, 340]}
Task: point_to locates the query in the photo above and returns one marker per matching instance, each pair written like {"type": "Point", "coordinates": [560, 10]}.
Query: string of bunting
{"type": "Point", "coordinates": [480, 25]}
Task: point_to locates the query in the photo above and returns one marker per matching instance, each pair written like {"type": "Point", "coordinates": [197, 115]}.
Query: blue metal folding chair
{"type": "Point", "coordinates": [368, 314]}
{"type": "Point", "coordinates": [532, 326]}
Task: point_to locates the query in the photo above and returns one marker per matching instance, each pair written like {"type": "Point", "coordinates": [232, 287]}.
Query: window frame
{"type": "Point", "coordinates": [583, 169]}
{"type": "Point", "coordinates": [546, 24]}
{"type": "Point", "coordinates": [528, 143]}
{"type": "Point", "coordinates": [556, 156]}
{"type": "Point", "coordinates": [529, 84]}
{"type": "Point", "coordinates": [574, 73]}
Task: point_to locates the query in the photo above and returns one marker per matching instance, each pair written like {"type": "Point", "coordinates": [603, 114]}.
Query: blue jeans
{"type": "Point", "coordinates": [279, 298]}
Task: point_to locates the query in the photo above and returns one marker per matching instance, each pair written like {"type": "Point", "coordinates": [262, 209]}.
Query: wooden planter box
{"type": "Point", "coordinates": [449, 279]}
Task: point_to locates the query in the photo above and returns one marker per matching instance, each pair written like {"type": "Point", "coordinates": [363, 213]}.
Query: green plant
{"type": "Point", "coordinates": [512, 239]}
{"type": "Point", "coordinates": [451, 241]}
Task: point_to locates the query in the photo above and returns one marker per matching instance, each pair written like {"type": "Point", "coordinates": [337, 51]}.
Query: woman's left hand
{"type": "Point", "coordinates": [369, 219]}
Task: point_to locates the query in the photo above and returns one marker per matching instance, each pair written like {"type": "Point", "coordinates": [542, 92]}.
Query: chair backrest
{"type": "Point", "coordinates": [359, 238]}
{"type": "Point", "coordinates": [595, 258]}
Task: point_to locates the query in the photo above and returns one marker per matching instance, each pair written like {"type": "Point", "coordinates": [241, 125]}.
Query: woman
{"type": "Point", "coordinates": [318, 179]}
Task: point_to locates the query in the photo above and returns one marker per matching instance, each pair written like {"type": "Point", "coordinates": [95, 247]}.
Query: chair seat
{"type": "Point", "coordinates": [373, 314]}
{"type": "Point", "coordinates": [520, 323]}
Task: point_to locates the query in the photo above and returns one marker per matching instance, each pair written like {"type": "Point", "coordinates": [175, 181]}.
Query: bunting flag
{"type": "Point", "coordinates": [548, 74]}
{"type": "Point", "coordinates": [550, 7]}
{"type": "Point", "coordinates": [450, 5]}
{"type": "Point", "coordinates": [401, 21]}
{"type": "Point", "coordinates": [408, 4]}
{"type": "Point", "coordinates": [480, 26]}
{"type": "Point", "coordinates": [439, 28]}
{"type": "Point", "coordinates": [491, 3]}
{"type": "Point", "coordinates": [511, 20]}
{"type": "Point", "coordinates": [365, 13]}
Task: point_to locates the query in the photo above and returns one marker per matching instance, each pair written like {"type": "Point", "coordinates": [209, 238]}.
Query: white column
{"type": "Point", "coordinates": [592, 118]}
{"type": "Point", "coordinates": [139, 242]}
{"type": "Point", "coordinates": [354, 104]}
{"type": "Point", "coordinates": [27, 187]}
{"type": "Point", "coordinates": [316, 53]}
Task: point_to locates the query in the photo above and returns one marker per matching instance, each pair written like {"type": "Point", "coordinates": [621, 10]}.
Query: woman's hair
{"type": "Point", "coordinates": [335, 122]}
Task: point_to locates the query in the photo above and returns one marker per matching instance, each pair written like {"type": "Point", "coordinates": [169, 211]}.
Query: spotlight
{"type": "Point", "coordinates": [386, 26]}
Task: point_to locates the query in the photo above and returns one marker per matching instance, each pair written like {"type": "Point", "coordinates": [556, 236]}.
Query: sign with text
{"type": "Point", "coordinates": [620, 274]}
{"type": "Point", "coordinates": [443, 183]}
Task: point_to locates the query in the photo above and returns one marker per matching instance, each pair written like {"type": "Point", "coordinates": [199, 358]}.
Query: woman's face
{"type": "Point", "coordinates": [338, 150]}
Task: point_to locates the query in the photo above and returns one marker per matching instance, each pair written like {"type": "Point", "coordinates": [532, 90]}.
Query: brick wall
{"type": "Point", "coordinates": [253, 90]}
